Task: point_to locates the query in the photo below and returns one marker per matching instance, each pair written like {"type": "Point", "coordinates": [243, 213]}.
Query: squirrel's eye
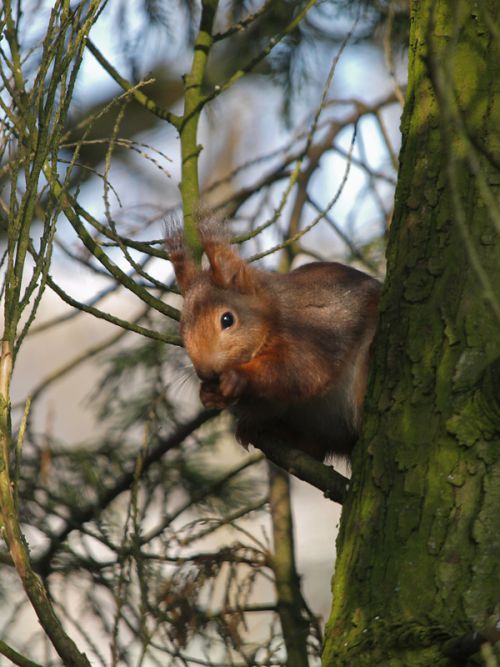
{"type": "Point", "coordinates": [227, 320]}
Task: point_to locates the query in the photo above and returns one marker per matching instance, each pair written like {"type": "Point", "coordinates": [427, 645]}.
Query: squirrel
{"type": "Point", "coordinates": [288, 354]}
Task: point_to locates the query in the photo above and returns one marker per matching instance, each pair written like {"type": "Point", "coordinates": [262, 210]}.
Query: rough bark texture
{"type": "Point", "coordinates": [419, 546]}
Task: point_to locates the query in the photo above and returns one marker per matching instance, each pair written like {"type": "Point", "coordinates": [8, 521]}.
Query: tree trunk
{"type": "Point", "coordinates": [419, 546]}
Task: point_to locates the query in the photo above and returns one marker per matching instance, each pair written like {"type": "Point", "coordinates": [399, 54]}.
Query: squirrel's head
{"type": "Point", "coordinates": [227, 312]}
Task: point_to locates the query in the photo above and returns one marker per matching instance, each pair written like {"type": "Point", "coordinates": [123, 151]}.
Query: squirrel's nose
{"type": "Point", "coordinates": [207, 375]}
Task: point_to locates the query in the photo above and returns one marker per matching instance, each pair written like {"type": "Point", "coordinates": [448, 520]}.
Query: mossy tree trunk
{"type": "Point", "coordinates": [419, 547]}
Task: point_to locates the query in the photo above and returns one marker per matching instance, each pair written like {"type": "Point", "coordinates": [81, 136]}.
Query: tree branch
{"type": "Point", "coordinates": [16, 657]}
{"type": "Point", "coordinates": [301, 465]}
{"type": "Point", "coordinates": [289, 597]}
{"type": "Point", "coordinates": [272, 42]}
{"type": "Point", "coordinates": [81, 515]}
{"type": "Point", "coordinates": [138, 95]}
{"type": "Point", "coordinates": [194, 102]}
{"type": "Point", "coordinates": [124, 324]}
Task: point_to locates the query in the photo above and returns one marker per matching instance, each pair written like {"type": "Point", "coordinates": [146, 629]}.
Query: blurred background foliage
{"type": "Point", "coordinates": [150, 527]}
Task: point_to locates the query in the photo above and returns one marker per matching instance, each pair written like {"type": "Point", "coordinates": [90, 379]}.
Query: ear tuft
{"type": "Point", "coordinates": [227, 269]}
{"type": "Point", "coordinates": [182, 260]}
{"type": "Point", "coordinates": [213, 230]}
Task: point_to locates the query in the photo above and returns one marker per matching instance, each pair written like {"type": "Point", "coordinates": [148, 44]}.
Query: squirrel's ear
{"type": "Point", "coordinates": [184, 265]}
{"type": "Point", "coordinates": [228, 270]}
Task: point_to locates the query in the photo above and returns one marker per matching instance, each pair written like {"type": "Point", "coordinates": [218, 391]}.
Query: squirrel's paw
{"type": "Point", "coordinates": [211, 397]}
{"type": "Point", "coordinates": [232, 384]}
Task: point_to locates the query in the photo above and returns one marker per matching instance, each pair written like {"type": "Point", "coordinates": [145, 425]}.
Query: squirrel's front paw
{"type": "Point", "coordinates": [232, 384]}
{"type": "Point", "coordinates": [211, 397]}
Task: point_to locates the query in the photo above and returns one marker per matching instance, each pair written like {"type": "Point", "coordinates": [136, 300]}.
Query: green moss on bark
{"type": "Point", "coordinates": [418, 545]}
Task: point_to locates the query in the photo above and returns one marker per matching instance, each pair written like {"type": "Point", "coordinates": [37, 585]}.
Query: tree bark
{"type": "Point", "coordinates": [419, 544]}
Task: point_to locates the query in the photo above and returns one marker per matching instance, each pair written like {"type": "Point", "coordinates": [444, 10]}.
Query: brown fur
{"type": "Point", "coordinates": [295, 361]}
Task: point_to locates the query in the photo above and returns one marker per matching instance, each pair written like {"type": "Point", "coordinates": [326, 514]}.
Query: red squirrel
{"type": "Point", "coordinates": [289, 354]}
